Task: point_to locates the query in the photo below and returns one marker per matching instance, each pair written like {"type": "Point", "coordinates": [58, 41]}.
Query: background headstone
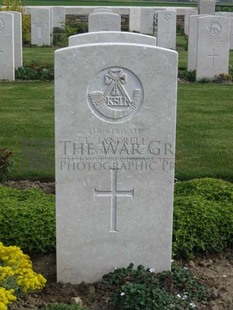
{"type": "Point", "coordinates": [147, 20]}
{"type": "Point", "coordinates": [206, 7]}
{"type": "Point", "coordinates": [58, 16]}
{"type": "Point", "coordinates": [103, 19]}
{"type": "Point", "coordinates": [111, 36]}
{"type": "Point", "coordinates": [192, 41]}
{"type": "Point", "coordinates": [115, 143]}
{"type": "Point", "coordinates": [40, 26]}
{"type": "Point", "coordinates": [212, 46]}
{"type": "Point", "coordinates": [135, 19]}
{"type": "Point", "coordinates": [166, 29]}
{"type": "Point", "coordinates": [7, 57]}
{"type": "Point", "coordinates": [188, 13]}
{"type": "Point", "coordinates": [18, 41]}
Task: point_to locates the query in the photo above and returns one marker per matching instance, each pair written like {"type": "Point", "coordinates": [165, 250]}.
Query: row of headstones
{"type": "Point", "coordinates": [208, 44]}
{"type": "Point", "coordinates": [10, 44]}
{"type": "Point", "coordinates": [160, 23]}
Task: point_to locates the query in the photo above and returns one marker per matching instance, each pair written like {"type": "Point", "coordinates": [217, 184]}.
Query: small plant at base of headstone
{"type": "Point", "coordinates": [223, 78]}
{"type": "Point", "coordinates": [141, 288]}
{"type": "Point", "coordinates": [6, 164]}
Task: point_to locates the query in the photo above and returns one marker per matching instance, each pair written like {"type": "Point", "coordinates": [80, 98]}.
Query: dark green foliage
{"type": "Point", "coordinates": [203, 217]}
{"type": "Point", "coordinates": [142, 289]}
{"type": "Point", "coordinates": [27, 219]}
{"type": "Point", "coordinates": [61, 35]}
{"type": "Point", "coordinates": [6, 164]}
{"type": "Point", "coordinates": [188, 75]}
{"type": "Point", "coordinates": [35, 72]}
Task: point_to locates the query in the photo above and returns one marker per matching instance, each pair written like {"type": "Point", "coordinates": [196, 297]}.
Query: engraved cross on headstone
{"type": "Point", "coordinates": [114, 193]}
{"type": "Point", "coordinates": [213, 55]}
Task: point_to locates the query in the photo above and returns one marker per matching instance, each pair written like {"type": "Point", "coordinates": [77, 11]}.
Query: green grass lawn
{"type": "Point", "coordinates": [204, 129]}
{"type": "Point", "coordinates": [204, 123]}
{"type": "Point", "coordinates": [27, 127]}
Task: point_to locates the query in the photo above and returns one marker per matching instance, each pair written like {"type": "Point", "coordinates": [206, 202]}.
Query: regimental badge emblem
{"type": "Point", "coordinates": [213, 29]}
{"type": "Point", "coordinates": [115, 95]}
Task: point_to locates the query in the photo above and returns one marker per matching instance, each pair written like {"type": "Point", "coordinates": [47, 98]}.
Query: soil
{"type": "Point", "coordinates": [216, 271]}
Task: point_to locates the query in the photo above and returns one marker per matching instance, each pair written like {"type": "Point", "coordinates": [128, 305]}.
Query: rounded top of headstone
{"type": "Point", "coordinates": [103, 10]}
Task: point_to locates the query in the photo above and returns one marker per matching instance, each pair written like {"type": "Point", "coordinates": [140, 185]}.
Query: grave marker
{"type": "Point", "coordinates": [166, 29]}
{"type": "Point", "coordinates": [18, 41]}
{"type": "Point", "coordinates": [103, 19]}
{"type": "Point", "coordinates": [212, 46]}
{"type": "Point", "coordinates": [40, 26]}
{"type": "Point", "coordinates": [7, 57]}
{"type": "Point", "coordinates": [115, 144]}
{"type": "Point", "coordinates": [111, 36]}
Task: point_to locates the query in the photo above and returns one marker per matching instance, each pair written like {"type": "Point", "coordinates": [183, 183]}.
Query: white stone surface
{"type": "Point", "coordinates": [188, 13]}
{"type": "Point", "coordinates": [18, 41]}
{"type": "Point", "coordinates": [192, 41]}
{"type": "Point", "coordinates": [206, 7]}
{"type": "Point", "coordinates": [7, 58]}
{"type": "Point", "coordinates": [111, 36]}
{"type": "Point", "coordinates": [230, 16]}
{"type": "Point", "coordinates": [135, 19]}
{"type": "Point", "coordinates": [147, 20]}
{"type": "Point", "coordinates": [58, 16]}
{"type": "Point", "coordinates": [166, 29]}
{"type": "Point", "coordinates": [115, 143]}
{"type": "Point", "coordinates": [213, 46]}
{"type": "Point", "coordinates": [40, 26]}
{"type": "Point", "coordinates": [103, 19]}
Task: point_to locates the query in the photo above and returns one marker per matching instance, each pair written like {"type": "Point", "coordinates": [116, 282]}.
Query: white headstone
{"type": "Point", "coordinates": [111, 36]}
{"type": "Point", "coordinates": [103, 19]}
{"type": "Point", "coordinates": [135, 19]}
{"type": "Point", "coordinates": [166, 29]}
{"type": "Point", "coordinates": [58, 16]}
{"type": "Point", "coordinates": [115, 144]}
{"type": "Point", "coordinates": [188, 13]}
{"type": "Point", "coordinates": [18, 41]}
{"type": "Point", "coordinates": [192, 41]}
{"type": "Point", "coordinates": [206, 7]}
{"type": "Point", "coordinates": [212, 46]}
{"type": "Point", "coordinates": [230, 16]}
{"type": "Point", "coordinates": [7, 57]}
{"type": "Point", "coordinates": [40, 26]}
{"type": "Point", "coordinates": [147, 20]}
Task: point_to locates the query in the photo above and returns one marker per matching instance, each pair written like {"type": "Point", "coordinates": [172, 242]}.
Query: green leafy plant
{"type": "Point", "coordinates": [141, 288]}
{"type": "Point", "coordinates": [6, 164]}
{"type": "Point", "coordinates": [223, 78]}
{"type": "Point", "coordinates": [188, 75]}
{"type": "Point", "coordinates": [27, 219]}
{"type": "Point", "coordinates": [35, 72]}
{"type": "Point", "coordinates": [61, 34]}
{"type": "Point", "coordinates": [203, 217]}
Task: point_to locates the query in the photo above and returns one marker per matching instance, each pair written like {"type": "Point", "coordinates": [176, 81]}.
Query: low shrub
{"type": "Point", "coordinates": [16, 275]}
{"type": "Point", "coordinates": [27, 219]}
{"type": "Point", "coordinates": [6, 164]}
{"type": "Point", "coordinates": [203, 217]}
{"type": "Point", "coordinates": [35, 72]}
{"type": "Point", "coordinates": [188, 75]}
{"type": "Point", "coordinates": [141, 288]}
